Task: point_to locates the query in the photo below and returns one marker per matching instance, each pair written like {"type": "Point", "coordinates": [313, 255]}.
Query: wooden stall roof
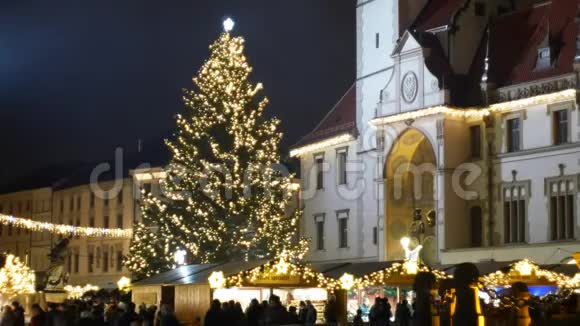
{"type": "Point", "coordinates": [489, 267]}
{"type": "Point", "coordinates": [170, 277]}
{"type": "Point", "coordinates": [356, 269]}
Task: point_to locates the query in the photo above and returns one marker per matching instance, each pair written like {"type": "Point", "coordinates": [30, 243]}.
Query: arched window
{"type": "Point", "coordinates": [476, 226]}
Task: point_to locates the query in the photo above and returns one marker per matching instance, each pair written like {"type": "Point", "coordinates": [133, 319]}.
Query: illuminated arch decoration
{"type": "Point", "coordinates": [397, 274]}
{"type": "Point", "coordinates": [529, 273]}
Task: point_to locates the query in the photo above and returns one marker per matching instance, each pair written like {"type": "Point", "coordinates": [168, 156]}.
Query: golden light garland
{"type": "Point", "coordinates": [317, 146]}
{"type": "Point", "coordinates": [566, 95]}
{"type": "Point", "coordinates": [530, 273]}
{"type": "Point", "coordinates": [77, 292]}
{"type": "Point", "coordinates": [398, 274]}
{"type": "Point", "coordinates": [16, 278]}
{"type": "Point", "coordinates": [63, 229]}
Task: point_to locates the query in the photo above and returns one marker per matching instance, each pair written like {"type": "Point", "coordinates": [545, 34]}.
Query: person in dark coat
{"type": "Point", "coordinates": [331, 311]}
{"type": "Point", "coordinates": [167, 317]}
{"type": "Point", "coordinates": [38, 316]}
{"type": "Point", "coordinates": [311, 314]}
{"type": "Point", "coordinates": [403, 314]}
{"type": "Point", "coordinates": [379, 316]}
{"type": "Point", "coordinates": [8, 317]}
{"type": "Point", "coordinates": [358, 321]}
{"type": "Point", "coordinates": [276, 314]}
{"type": "Point", "coordinates": [128, 314]}
{"type": "Point", "coordinates": [301, 313]}
{"type": "Point", "coordinates": [253, 313]}
{"type": "Point", "coordinates": [214, 316]}
{"type": "Point", "coordinates": [293, 316]}
{"type": "Point", "coordinates": [18, 312]}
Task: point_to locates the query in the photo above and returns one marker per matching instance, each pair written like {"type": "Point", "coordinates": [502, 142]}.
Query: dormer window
{"type": "Point", "coordinates": [544, 58]}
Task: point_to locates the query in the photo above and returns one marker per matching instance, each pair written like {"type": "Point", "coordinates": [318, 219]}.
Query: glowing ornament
{"type": "Point", "coordinates": [281, 267]}
{"type": "Point", "coordinates": [346, 281]}
{"type": "Point", "coordinates": [179, 257]}
{"type": "Point", "coordinates": [229, 24]}
{"type": "Point", "coordinates": [217, 280]}
{"type": "Point", "coordinates": [124, 283]}
{"type": "Point", "coordinates": [411, 264]}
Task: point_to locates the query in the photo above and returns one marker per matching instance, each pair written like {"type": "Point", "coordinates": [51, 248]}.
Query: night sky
{"type": "Point", "coordinates": [78, 78]}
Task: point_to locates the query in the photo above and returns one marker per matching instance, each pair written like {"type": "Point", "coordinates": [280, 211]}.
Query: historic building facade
{"type": "Point", "coordinates": [462, 131]}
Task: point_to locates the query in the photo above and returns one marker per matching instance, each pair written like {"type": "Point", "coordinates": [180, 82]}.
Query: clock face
{"type": "Point", "coordinates": [409, 87]}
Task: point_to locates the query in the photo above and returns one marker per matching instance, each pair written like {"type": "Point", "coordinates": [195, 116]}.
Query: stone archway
{"type": "Point", "coordinates": [409, 184]}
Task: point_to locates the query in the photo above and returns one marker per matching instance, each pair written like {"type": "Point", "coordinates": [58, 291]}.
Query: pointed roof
{"type": "Point", "coordinates": [340, 120]}
{"type": "Point", "coordinates": [437, 13]}
{"type": "Point", "coordinates": [515, 39]}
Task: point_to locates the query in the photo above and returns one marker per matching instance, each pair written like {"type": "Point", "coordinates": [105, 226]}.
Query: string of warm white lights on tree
{"type": "Point", "coordinates": [15, 278]}
{"type": "Point", "coordinates": [63, 229]}
{"type": "Point", "coordinates": [224, 199]}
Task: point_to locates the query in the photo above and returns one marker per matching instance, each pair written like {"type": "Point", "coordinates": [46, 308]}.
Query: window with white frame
{"type": "Point", "coordinates": [341, 158]}
{"type": "Point", "coordinates": [560, 126]}
{"type": "Point", "coordinates": [342, 217]}
{"type": "Point", "coordinates": [514, 133]}
{"type": "Point", "coordinates": [515, 212]}
{"type": "Point", "coordinates": [319, 222]}
{"type": "Point", "coordinates": [319, 166]}
{"type": "Point", "coordinates": [562, 193]}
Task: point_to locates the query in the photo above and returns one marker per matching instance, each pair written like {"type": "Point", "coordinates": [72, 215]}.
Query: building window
{"type": "Point", "coordinates": [92, 200]}
{"type": "Point", "coordinates": [341, 166]}
{"type": "Point", "coordinates": [76, 262]}
{"type": "Point", "coordinates": [106, 199]}
{"type": "Point", "coordinates": [560, 126]}
{"type": "Point", "coordinates": [98, 257]}
{"type": "Point", "coordinates": [91, 261]}
{"type": "Point", "coordinates": [380, 140]}
{"type": "Point", "coordinates": [119, 261]}
{"type": "Point", "coordinates": [91, 221]}
{"type": "Point", "coordinates": [562, 212]}
{"type": "Point", "coordinates": [120, 197]}
{"type": "Point", "coordinates": [342, 229]}
{"type": "Point", "coordinates": [475, 138]}
{"type": "Point", "coordinates": [319, 161]}
{"type": "Point", "coordinates": [79, 203]}
{"type": "Point", "coordinates": [62, 205]}
{"type": "Point", "coordinates": [480, 9]}
{"type": "Point", "coordinates": [119, 221]}
{"type": "Point", "coordinates": [69, 263]}
{"type": "Point", "coordinates": [375, 235]}
{"type": "Point", "coordinates": [147, 188]}
{"type": "Point", "coordinates": [319, 220]}
{"type": "Point", "coordinates": [377, 40]}
{"type": "Point", "coordinates": [105, 261]}
{"type": "Point", "coordinates": [476, 226]}
{"type": "Point", "coordinates": [513, 134]}
{"type": "Point", "coordinates": [71, 204]}
{"type": "Point", "coordinates": [106, 221]}
{"type": "Point", "coordinates": [515, 197]}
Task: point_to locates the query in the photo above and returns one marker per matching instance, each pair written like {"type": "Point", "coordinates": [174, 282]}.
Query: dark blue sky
{"type": "Point", "coordinates": [78, 78]}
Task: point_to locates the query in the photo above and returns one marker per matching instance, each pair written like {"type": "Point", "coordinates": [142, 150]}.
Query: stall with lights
{"type": "Point", "coordinates": [190, 289]}
{"type": "Point", "coordinates": [540, 281]}
{"type": "Point", "coordinates": [363, 282]}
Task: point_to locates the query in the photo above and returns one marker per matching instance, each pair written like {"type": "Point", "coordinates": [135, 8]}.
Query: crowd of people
{"type": "Point", "coordinates": [82, 313]}
{"type": "Point", "coordinates": [270, 312]}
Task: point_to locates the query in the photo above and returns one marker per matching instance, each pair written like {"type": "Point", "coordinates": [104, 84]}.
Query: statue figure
{"type": "Point", "coordinates": [56, 277]}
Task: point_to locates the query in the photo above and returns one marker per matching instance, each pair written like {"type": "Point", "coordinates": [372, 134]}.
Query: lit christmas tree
{"type": "Point", "coordinates": [226, 200]}
{"type": "Point", "coordinates": [15, 278]}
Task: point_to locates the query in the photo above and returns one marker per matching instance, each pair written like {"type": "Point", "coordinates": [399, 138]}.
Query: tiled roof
{"type": "Point", "coordinates": [515, 39]}
{"type": "Point", "coordinates": [437, 13]}
{"type": "Point", "coordinates": [341, 119]}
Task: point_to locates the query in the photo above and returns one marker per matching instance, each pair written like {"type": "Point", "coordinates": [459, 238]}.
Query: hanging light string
{"type": "Point", "coordinates": [63, 229]}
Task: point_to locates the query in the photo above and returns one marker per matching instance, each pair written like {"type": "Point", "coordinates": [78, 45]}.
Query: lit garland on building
{"type": "Point", "coordinates": [396, 274]}
{"type": "Point", "coordinates": [478, 113]}
{"type": "Point", "coordinates": [15, 278]}
{"type": "Point", "coordinates": [529, 273]}
{"type": "Point", "coordinates": [333, 141]}
{"type": "Point", "coordinates": [64, 230]}
{"type": "Point", "coordinates": [224, 197]}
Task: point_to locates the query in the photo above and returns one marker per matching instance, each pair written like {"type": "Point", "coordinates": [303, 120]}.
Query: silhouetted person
{"type": "Point", "coordinates": [422, 286]}
{"type": "Point", "coordinates": [293, 316]}
{"type": "Point", "coordinates": [253, 313]}
{"type": "Point", "coordinates": [465, 276]}
{"type": "Point", "coordinates": [403, 314]}
{"type": "Point", "coordinates": [331, 311]}
{"type": "Point", "coordinates": [358, 321]}
{"type": "Point", "coordinates": [38, 317]}
{"type": "Point", "coordinates": [311, 314]}
{"type": "Point", "coordinates": [214, 316]}
{"type": "Point", "coordinates": [301, 313]}
{"type": "Point", "coordinates": [8, 317]}
{"type": "Point", "coordinates": [18, 312]}
{"type": "Point", "coordinates": [276, 314]}
{"type": "Point", "coordinates": [167, 317]}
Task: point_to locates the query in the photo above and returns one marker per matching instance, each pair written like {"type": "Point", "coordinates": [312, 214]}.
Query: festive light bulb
{"type": "Point", "coordinates": [347, 281]}
{"type": "Point", "coordinates": [217, 280]}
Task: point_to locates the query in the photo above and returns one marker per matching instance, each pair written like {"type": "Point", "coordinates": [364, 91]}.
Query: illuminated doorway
{"type": "Point", "coordinates": [410, 174]}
